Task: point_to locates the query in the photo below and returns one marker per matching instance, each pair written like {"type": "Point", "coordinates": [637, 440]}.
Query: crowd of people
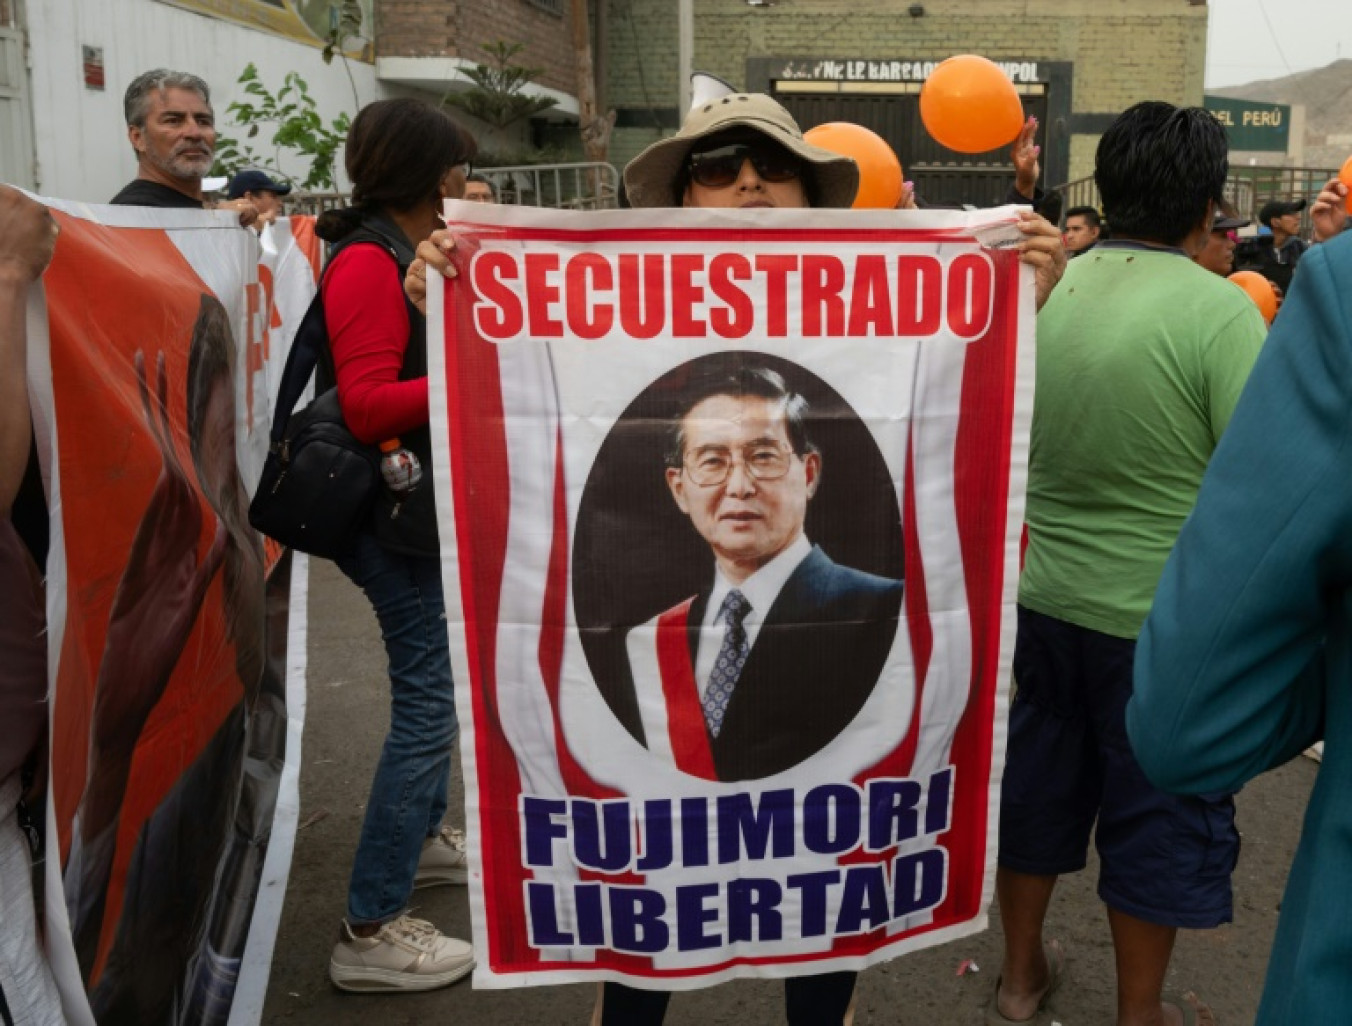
{"type": "Point", "coordinates": [1182, 621]}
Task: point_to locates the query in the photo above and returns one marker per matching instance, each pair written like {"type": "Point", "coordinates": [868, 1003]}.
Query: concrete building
{"type": "Point", "coordinates": [65, 63]}
{"type": "Point", "coordinates": [428, 47]}
{"type": "Point", "coordinates": [1077, 63]}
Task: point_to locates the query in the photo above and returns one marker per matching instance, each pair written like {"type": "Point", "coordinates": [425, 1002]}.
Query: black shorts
{"type": "Point", "coordinates": [1164, 858]}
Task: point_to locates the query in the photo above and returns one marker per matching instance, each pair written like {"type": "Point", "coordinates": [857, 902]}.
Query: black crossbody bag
{"type": "Point", "coordinates": [319, 483]}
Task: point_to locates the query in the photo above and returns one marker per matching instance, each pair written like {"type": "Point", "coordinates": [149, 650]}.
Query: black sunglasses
{"type": "Point", "coordinates": [720, 167]}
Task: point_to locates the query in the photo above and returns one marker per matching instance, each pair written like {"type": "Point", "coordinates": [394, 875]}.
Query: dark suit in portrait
{"type": "Point", "coordinates": [813, 665]}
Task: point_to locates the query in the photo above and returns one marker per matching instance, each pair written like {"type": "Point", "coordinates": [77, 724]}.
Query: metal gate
{"type": "Point", "coordinates": [942, 177]}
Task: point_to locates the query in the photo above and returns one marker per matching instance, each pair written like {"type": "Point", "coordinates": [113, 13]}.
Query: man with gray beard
{"type": "Point", "coordinates": [172, 128]}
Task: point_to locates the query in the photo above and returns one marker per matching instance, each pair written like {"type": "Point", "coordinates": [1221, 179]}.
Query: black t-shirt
{"type": "Point", "coordinates": [142, 193]}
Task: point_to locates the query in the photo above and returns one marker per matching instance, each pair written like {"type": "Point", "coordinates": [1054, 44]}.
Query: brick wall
{"type": "Point", "coordinates": [459, 28]}
{"type": "Point", "coordinates": [1123, 51]}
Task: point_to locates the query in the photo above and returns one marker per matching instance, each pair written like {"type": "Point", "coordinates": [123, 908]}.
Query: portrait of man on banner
{"type": "Point", "coordinates": [771, 646]}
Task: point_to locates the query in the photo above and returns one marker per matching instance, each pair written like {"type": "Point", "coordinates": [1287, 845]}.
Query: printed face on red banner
{"type": "Point", "coordinates": [740, 481]}
{"type": "Point", "coordinates": [745, 440]}
{"type": "Point", "coordinates": [169, 716]}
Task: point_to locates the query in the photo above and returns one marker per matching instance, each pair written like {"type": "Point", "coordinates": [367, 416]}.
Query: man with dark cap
{"type": "Point", "coordinates": [260, 190]}
{"type": "Point", "coordinates": [1218, 255]}
{"type": "Point", "coordinates": [1278, 261]}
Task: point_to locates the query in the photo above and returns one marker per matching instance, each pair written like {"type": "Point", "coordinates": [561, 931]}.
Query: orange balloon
{"type": "Point", "coordinates": [1345, 176]}
{"type": "Point", "coordinates": [879, 168]}
{"type": "Point", "coordinates": [1259, 290]}
{"type": "Point", "coordinates": [970, 105]}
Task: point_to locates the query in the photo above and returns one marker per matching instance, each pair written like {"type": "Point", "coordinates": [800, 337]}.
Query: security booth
{"type": "Point", "coordinates": [884, 96]}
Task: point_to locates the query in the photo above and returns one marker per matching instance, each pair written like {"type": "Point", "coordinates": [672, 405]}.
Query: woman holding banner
{"type": "Point", "coordinates": [744, 151]}
{"type": "Point", "coordinates": [404, 158]}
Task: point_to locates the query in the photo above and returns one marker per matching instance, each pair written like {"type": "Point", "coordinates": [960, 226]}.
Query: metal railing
{"type": "Point", "coordinates": [585, 186]}
{"type": "Point", "coordinates": [582, 186]}
{"type": "Point", "coordinates": [316, 202]}
{"type": "Point", "coordinates": [1248, 188]}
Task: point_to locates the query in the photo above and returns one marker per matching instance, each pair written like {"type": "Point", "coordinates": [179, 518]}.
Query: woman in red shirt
{"type": "Point", "coordinates": [404, 158]}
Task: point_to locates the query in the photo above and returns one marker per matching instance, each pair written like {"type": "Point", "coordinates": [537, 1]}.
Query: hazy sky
{"type": "Point", "coordinates": [1250, 40]}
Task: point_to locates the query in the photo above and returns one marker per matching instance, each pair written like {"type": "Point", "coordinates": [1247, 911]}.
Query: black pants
{"type": "Point", "coordinates": [808, 1001]}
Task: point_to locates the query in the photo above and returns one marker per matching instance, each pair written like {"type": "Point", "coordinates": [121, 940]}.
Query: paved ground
{"type": "Point", "coordinates": [346, 723]}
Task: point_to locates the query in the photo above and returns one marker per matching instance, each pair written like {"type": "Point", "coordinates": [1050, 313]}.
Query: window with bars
{"type": "Point", "coordinates": [552, 6]}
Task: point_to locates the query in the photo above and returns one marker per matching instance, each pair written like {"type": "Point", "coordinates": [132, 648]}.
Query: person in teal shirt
{"type": "Point", "coordinates": [1246, 658]}
{"type": "Point", "coordinates": [1142, 355]}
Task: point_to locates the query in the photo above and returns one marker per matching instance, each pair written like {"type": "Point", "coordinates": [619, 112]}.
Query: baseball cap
{"type": "Point", "coordinates": [1223, 222]}
{"type": "Point", "coordinates": [254, 181]}
{"type": "Point", "coordinates": [1279, 208]}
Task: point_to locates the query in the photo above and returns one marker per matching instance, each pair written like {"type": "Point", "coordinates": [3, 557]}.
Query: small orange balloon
{"type": "Point", "coordinates": [1259, 290]}
{"type": "Point", "coordinates": [1345, 176]}
{"type": "Point", "coordinates": [968, 104]}
{"type": "Point", "coordinates": [879, 168]}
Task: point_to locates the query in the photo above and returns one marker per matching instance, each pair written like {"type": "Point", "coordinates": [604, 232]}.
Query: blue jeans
{"type": "Point", "coordinates": [408, 795]}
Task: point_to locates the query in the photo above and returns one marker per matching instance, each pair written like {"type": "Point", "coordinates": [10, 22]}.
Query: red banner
{"type": "Point", "coordinates": [169, 626]}
{"type": "Point", "coordinates": [731, 518]}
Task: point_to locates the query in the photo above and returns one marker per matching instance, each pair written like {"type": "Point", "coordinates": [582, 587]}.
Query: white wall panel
{"type": "Point", "coordinates": [80, 134]}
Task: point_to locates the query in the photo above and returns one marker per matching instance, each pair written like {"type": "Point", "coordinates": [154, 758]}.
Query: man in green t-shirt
{"type": "Point", "coordinates": [1141, 357]}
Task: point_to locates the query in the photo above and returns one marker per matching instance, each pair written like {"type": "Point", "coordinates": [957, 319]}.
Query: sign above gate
{"type": "Point", "coordinates": [832, 69]}
{"type": "Point", "coordinates": [1252, 124]}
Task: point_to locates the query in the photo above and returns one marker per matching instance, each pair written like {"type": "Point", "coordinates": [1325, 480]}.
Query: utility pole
{"type": "Point", "coordinates": [685, 54]}
{"type": "Point", "coordinates": [595, 126]}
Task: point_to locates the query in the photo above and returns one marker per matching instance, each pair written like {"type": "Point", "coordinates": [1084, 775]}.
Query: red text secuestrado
{"type": "Point", "coordinates": [590, 295]}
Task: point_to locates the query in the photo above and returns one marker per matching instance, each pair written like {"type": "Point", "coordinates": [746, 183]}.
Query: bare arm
{"type": "Point", "coordinates": [27, 241]}
{"type": "Point", "coordinates": [248, 213]}
{"type": "Point", "coordinates": [1329, 211]}
{"type": "Point", "coordinates": [1024, 154]}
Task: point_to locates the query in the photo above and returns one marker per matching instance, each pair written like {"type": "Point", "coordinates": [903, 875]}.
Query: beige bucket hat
{"type": "Point", "coordinates": [650, 178]}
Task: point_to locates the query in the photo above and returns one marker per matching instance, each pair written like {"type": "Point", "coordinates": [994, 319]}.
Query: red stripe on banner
{"type": "Point", "coordinates": [478, 448]}
{"type": "Point", "coordinates": [868, 942]}
{"type": "Point", "coordinates": [917, 622]}
{"type": "Point", "coordinates": [685, 718]}
{"type": "Point", "coordinates": [982, 463]}
{"type": "Point", "coordinates": [303, 232]}
{"type": "Point", "coordinates": [590, 237]}
{"type": "Point", "coordinates": [897, 763]}
{"type": "Point", "coordinates": [553, 626]}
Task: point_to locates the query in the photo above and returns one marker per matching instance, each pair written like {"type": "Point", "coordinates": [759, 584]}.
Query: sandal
{"type": "Point", "coordinates": [1056, 971]}
{"type": "Point", "coordinates": [1190, 1008]}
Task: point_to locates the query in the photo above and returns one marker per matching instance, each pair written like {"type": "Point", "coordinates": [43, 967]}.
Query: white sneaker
{"type": "Point", "coordinates": [404, 954]}
{"type": "Point", "coordinates": [443, 860]}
